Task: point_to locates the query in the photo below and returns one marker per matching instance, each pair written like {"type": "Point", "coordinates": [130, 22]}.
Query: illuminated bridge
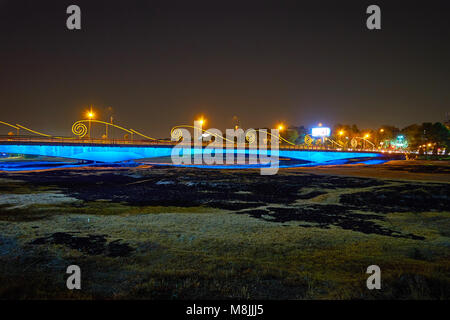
{"type": "Point", "coordinates": [110, 150]}
{"type": "Point", "coordinates": [135, 150]}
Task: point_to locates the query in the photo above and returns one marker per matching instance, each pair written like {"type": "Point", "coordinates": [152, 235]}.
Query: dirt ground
{"type": "Point", "coordinates": [157, 232]}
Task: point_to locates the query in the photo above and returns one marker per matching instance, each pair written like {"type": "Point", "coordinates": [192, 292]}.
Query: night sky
{"type": "Point", "coordinates": [162, 63]}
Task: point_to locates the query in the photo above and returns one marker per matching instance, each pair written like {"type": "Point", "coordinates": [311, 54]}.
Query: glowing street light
{"type": "Point", "coordinates": [341, 133]}
{"type": "Point", "coordinates": [90, 114]}
{"type": "Point", "coordinates": [198, 124]}
{"type": "Point", "coordinates": [280, 127]}
{"type": "Point", "coordinates": [366, 136]}
{"type": "Point", "coordinates": [200, 120]}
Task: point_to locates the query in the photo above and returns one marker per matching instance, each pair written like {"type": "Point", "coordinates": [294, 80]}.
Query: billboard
{"type": "Point", "coordinates": [320, 132]}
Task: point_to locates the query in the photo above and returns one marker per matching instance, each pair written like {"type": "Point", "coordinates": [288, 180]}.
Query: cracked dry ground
{"type": "Point", "coordinates": [190, 233]}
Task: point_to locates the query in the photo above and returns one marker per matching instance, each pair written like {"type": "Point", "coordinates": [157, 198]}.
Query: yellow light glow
{"type": "Point", "coordinates": [201, 121]}
{"type": "Point", "coordinates": [341, 133]}
{"type": "Point", "coordinates": [280, 127]}
{"type": "Point", "coordinates": [429, 144]}
{"type": "Point", "coordinates": [381, 130]}
{"type": "Point", "coordinates": [366, 136]}
{"type": "Point", "coordinates": [90, 114]}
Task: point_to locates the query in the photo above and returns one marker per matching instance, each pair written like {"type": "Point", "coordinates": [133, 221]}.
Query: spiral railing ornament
{"type": "Point", "coordinates": [251, 136]}
{"type": "Point", "coordinates": [308, 140]}
{"type": "Point", "coordinates": [176, 133]}
{"type": "Point", "coordinates": [79, 129]}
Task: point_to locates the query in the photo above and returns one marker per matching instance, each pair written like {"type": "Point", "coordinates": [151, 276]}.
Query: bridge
{"type": "Point", "coordinates": [120, 150]}
{"type": "Point", "coordinates": [83, 147]}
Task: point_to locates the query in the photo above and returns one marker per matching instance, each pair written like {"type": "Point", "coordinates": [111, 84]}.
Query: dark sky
{"type": "Point", "coordinates": [162, 63]}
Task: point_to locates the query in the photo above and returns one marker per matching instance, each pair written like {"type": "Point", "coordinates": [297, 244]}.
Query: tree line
{"type": "Point", "coordinates": [417, 137]}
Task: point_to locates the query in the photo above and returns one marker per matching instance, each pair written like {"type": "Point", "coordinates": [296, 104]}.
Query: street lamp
{"type": "Point", "coordinates": [201, 121]}
{"type": "Point", "coordinates": [198, 129]}
{"type": "Point", "coordinates": [341, 133]}
{"type": "Point", "coordinates": [365, 138]}
{"type": "Point", "coordinates": [90, 115]}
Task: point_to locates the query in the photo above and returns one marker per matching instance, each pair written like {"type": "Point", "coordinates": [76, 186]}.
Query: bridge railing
{"type": "Point", "coordinates": [65, 140]}
{"type": "Point", "coordinates": [72, 140]}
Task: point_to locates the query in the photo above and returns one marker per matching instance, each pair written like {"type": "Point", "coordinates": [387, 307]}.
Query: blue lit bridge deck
{"type": "Point", "coordinates": [115, 151]}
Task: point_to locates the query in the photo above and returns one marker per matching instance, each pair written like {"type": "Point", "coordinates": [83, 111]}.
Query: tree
{"type": "Point", "coordinates": [413, 134]}
{"type": "Point", "coordinates": [437, 134]}
{"type": "Point", "coordinates": [301, 132]}
{"type": "Point", "coordinates": [292, 135]}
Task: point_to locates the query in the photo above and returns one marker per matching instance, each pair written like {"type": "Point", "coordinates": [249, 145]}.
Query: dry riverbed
{"type": "Point", "coordinates": [181, 233]}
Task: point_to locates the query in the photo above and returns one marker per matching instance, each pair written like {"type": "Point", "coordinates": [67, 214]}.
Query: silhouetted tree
{"type": "Point", "coordinates": [292, 135]}
{"type": "Point", "coordinates": [413, 134]}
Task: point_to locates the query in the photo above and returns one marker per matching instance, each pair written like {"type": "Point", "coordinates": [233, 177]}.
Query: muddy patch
{"type": "Point", "coordinates": [422, 169]}
{"type": "Point", "coordinates": [192, 188]}
{"type": "Point", "coordinates": [325, 216]}
{"type": "Point", "coordinates": [90, 244]}
{"type": "Point", "coordinates": [402, 198]}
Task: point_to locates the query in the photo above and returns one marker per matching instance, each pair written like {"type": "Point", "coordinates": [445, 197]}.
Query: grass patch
{"type": "Point", "coordinates": [112, 208]}
{"type": "Point", "coordinates": [18, 187]}
{"type": "Point", "coordinates": [42, 211]}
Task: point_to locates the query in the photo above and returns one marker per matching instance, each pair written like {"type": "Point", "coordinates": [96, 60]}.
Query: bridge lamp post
{"type": "Point", "coordinates": [198, 125]}
{"type": "Point", "coordinates": [200, 122]}
{"type": "Point", "coordinates": [341, 133]}
{"type": "Point", "coordinates": [365, 138]}
{"type": "Point", "coordinates": [90, 116]}
{"type": "Point", "coordinates": [280, 128]}
{"type": "Point", "coordinates": [381, 136]}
